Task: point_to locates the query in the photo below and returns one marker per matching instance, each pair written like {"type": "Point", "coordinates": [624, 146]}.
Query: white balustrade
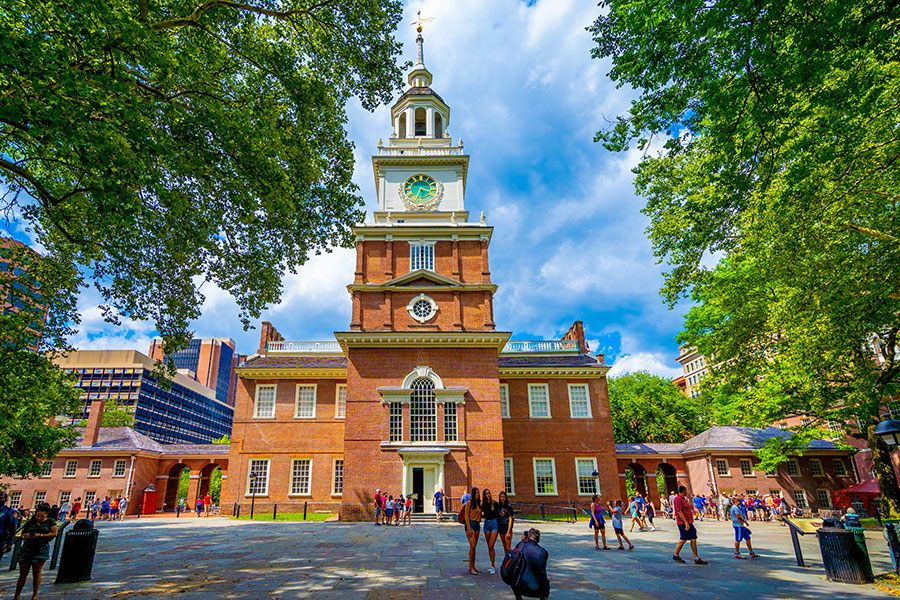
{"type": "Point", "coordinates": [301, 347]}
{"type": "Point", "coordinates": [542, 346]}
{"type": "Point", "coordinates": [416, 151]}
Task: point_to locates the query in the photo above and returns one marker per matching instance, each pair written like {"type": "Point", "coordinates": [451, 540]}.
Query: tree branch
{"type": "Point", "coordinates": [193, 19]}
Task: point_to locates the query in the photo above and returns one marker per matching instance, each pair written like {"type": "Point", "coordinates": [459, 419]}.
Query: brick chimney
{"type": "Point", "coordinates": [268, 333]}
{"type": "Point", "coordinates": [95, 417]}
{"type": "Point", "coordinates": [576, 332]}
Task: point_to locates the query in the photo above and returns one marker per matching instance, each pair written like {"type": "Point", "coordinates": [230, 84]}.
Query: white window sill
{"type": "Point", "coordinates": [336, 495]}
{"type": "Point", "coordinates": [312, 418]}
{"type": "Point", "coordinates": [749, 476]}
{"type": "Point", "coordinates": [299, 495]}
{"type": "Point", "coordinates": [553, 494]}
{"type": "Point", "coordinates": [728, 476]}
{"type": "Point", "coordinates": [535, 417]}
{"type": "Point", "coordinates": [94, 476]}
{"type": "Point", "coordinates": [266, 495]}
{"type": "Point", "coordinates": [269, 417]}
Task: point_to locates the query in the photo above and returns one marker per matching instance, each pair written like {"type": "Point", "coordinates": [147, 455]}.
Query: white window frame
{"type": "Point", "coordinates": [421, 255]}
{"type": "Point", "coordinates": [250, 463]}
{"type": "Point", "coordinates": [64, 496]}
{"type": "Point", "coordinates": [15, 499]}
{"type": "Point", "coordinates": [334, 476]}
{"type": "Point", "coordinates": [95, 463]}
{"type": "Point", "coordinates": [89, 497]}
{"type": "Point", "coordinates": [587, 396]}
{"type": "Point", "coordinates": [504, 400]}
{"type": "Point", "coordinates": [747, 461]}
{"type": "Point", "coordinates": [71, 468]}
{"type": "Point", "coordinates": [839, 472]}
{"type": "Point", "coordinates": [578, 477]}
{"type": "Point", "coordinates": [395, 419]}
{"type": "Point", "coordinates": [340, 408]}
{"type": "Point", "coordinates": [47, 468]}
{"type": "Point", "coordinates": [294, 481]}
{"type": "Point", "coordinates": [119, 462]}
{"type": "Point", "coordinates": [511, 489]}
{"type": "Point", "coordinates": [451, 422]}
{"type": "Point", "coordinates": [818, 470]}
{"type": "Point", "coordinates": [719, 462]}
{"type": "Point", "coordinates": [552, 460]}
{"type": "Point", "coordinates": [830, 504]}
{"type": "Point", "coordinates": [311, 414]}
{"type": "Point", "coordinates": [793, 467]}
{"type": "Point", "coordinates": [801, 494]}
{"type": "Point", "coordinates": [775, 493]}
{"type": "Point", "coordinates": [39, 497]}
{"type": "Point", "coordinates": [259, 388]}
{"type": "Point", "coordinates": [546, 388]}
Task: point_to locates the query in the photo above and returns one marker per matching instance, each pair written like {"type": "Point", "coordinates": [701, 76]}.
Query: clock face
{"type": "Point", "coordinates": [420, 188]}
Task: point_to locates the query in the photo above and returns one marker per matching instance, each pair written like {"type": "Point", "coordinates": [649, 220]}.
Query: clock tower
{"type": "Point", "coordinates": [423, 390]}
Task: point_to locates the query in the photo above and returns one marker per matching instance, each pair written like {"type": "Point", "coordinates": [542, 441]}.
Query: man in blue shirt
{"type": "Point", "coordinates": [741, 532]}
{"type": "Point", "coordinates": [7, 525]}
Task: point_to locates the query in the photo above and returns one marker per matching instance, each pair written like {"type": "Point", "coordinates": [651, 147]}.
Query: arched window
{"type": "Point", "coordinates": [402, 126]}
{"type": "Point", "coordinates": [438, 126]}
{"type": "Point", "coordinates": [421, 128]}
{"type": "Point", "coordinates": [422, 411]}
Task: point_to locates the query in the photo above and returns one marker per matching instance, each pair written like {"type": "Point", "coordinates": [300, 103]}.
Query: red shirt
{"type": "Point", "coordinates": [207, 499]}
{"type": "Point", "coordinates": [682, 507]}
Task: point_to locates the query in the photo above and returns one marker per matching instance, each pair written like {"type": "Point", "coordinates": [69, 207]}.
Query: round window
{"type": "Point", "coordinates": [422, 309]}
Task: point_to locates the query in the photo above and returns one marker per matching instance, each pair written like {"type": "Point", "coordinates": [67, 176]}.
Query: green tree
{"type": "Point", "coordinates": [184, 484]}
{"type": "Point", "coordinates": [225, 439]}
{"type": "Point", "coordinates": [772, 195]}
{"type": "Point", "coordinates": [649, 408]}
{"type": "Point", "coordinates": [165, 144]}
{"type": "Point", "coordinates": [215, 484]}
{"type": "Point", "coordinates": [113, 416]}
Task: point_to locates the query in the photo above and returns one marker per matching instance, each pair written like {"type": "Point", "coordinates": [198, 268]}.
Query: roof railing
{"type": "Point", "coordinates": [302, 347]}
{"type": "Point", "coordinates": [542, 346]}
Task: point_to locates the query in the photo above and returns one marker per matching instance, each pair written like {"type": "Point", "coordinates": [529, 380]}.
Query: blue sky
{"type": "Point", "coordinates": [569, 240]}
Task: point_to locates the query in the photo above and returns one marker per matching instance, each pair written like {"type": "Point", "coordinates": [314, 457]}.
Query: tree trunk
{"type": "Point", "coordinates": [887, 479]}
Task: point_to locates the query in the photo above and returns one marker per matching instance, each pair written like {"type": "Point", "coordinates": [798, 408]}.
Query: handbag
{"type": "Point", "coordinates": [462, 515]}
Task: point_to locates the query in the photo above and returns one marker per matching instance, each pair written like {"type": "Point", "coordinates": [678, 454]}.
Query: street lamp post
{"type": "Point", "coordinates": [253, 478]}
{"type": "Point", "coordinates": [889, 431]}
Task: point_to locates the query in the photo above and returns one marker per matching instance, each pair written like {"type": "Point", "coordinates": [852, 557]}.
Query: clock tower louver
{"type": "Point", "coordinates": [422, 345]}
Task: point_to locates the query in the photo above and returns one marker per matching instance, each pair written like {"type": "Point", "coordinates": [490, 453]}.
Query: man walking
{"type": "Point", "coordinates": [438, 502]}
{"type": "Point", "coordinates": [378, 506]}
{"type": "Point", "coordinates": [684, 518]}
{"type": "Point", "coordinates": [7, 525]}
{"type": "Point", "coordinates": [533, 581]}
{"type": "Point", "coordinates": [741, 532]}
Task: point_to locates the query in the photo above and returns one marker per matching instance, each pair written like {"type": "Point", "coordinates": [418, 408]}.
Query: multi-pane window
{"type": "Point", "coordinates": [396, 422]}
{"type": "Point", "coordinates": [800, 499]}
{"type": "Point", "coordinates": [340, 402]}
{"type": "Point", "coordinates": [47, 468]}
{"type": "Point", "coordinates": [504, 400]}
{"type": "Point", "coordinates": [722, 468]}
{"type": "Point", "coordinates": [258, 477]}
{"type": "Point", "coordinates": [539, 400]}
{"type": "Point", "coordinates": [746, 467]}
{"type": "Point", "coordinates": [422, 411]}
{"type": "Point", "coordinates": [71, 466]}
{"type": "Point", "coordinates": [421, 256]}
{"type": "Point", "coordinates": [793, 468]}
{"type": "Point", "coordinates": [119, 468]}
{"type": "Point", "coordinates": [544, 477]}
{"type": "Point", "coordinates": [579, 401]}
{"type": "Point", "coordinates": [14, 499]}
{"type": "Point", "coordinates": [824, 498]}
{"type": "Point", "coordinates": [306, 402]}
{"type": "Point", "coordinates": [451, 432]}
{"type": "Point", "coordinates": [94, 469]}
{"type": "Point", "coordinates": [806, 422]}
{"type": "Point", "coordinates": [751, 492]}
{"type": "Point", "coordinates": [835, 426]}
{"type": "Point", "coordinates": [509, 482]}
{"type": "Point", "coordinates": [40, 497]}
{"type": "Point", "coordinates": [64, 497]}
{"type": "Point", "coordinates": [815, 468]}
{"type": "Point", "coordinates": [337, 482]}
{"type": "Point", "coordinates": [775, 493]}
{"type": "Point", "coordinates": [300, 476]}
{"type": "Point", "coordinates": [89, 498]}
{"type": "Point", "coordinates": [839, 469]}
{"type": "Point", "coordinates": [587, 483]}
{"type": "Point", "coordinates": [264, 405]}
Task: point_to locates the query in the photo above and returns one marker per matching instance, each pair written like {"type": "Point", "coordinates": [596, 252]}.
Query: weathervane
{"type": "Point", "coordinates": [418, 22]}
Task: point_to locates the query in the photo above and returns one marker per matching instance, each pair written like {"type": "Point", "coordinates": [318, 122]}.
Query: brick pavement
{"type": "Point", "coordinates": [220, 559]}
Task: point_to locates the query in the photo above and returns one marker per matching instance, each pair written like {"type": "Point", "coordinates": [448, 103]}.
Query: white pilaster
{"type": "Point", "coordinates": [410, 122]}
{"type": "Point", "coordinates": [429, 122]}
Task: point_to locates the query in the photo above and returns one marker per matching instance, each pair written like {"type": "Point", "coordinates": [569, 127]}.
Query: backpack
{"type": "Point", "coordinates": [511, 567]}
{"type": "Point", "coordinates": [462, 515]}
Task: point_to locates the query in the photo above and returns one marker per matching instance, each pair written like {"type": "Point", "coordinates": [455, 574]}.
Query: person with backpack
{"type": "Point", "coordinates": [597, 523]}
{"type": "Point", "coordinates": [471, 514]}
{"type": "Point", "coordinates": [526, 573]}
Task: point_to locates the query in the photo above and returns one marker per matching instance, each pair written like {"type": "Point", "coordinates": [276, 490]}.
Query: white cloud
{"type": "Point", "coordinates": [643, 361]}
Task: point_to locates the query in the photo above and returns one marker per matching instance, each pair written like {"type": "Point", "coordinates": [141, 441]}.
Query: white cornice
{"type": "Point", "coordinates": [290, 373]}
{"type": "Point", "coordinates": [412, 339]}
{"type": "Point", "coordinates": [378, 287]}
{"type": "Point", "coordinates": [553, 372]}
{"type": "Point", "coordinates": [418, 231]}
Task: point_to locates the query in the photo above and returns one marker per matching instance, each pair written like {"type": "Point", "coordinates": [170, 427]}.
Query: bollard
{"type": "Point", "coordinates": [304, 511]}
{"type": "Point", "coordinates": [543, 516]}
{"type": "Point", "coordinates": [238, 511]}
{"type": "Point", "coordinates": [275, 512]}
{"type": "Point", "coordinates": [14, 555]}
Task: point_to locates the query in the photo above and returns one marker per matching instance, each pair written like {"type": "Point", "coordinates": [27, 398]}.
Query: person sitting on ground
{"type": "Point", "coordinates": [533, 581]}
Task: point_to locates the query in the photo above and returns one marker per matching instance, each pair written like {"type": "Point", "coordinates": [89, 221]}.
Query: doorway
{"type": "Point", "coordinates": [418, 489]}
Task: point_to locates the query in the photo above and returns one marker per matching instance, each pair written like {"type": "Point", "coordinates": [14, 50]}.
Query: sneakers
{"type": "Point", "coordinates": [752, 555]}
{"type": "Point", "coordinates": [621, 547]}
{"type": "Point", "coordinates": [677, 558]}
{"type": "Point", "coordinates": [630, 547]}
{"type": "Point", "coordinates": [492, 570]}
{"type": "Point", "coordinates": [738, 556]}
{"type": "Point", "coordinates": [700, 561]}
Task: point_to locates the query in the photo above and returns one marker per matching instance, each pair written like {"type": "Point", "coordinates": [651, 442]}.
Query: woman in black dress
{"type": "Point", "coordinates": [37, 533]}
{"type": "Point", "coordinates": [505, 521]}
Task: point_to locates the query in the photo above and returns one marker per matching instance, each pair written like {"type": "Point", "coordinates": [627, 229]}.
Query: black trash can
{"type": "Point", "coordinates": [78, 550]}
{"type": "Point", "coordinates": [844, 560]}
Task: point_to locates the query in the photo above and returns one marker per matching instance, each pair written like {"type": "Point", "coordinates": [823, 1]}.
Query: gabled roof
{"type": "Point", "coordinates": [745, 438]}
{"type": "Point", "coordinates": [126, 439]}
{"type": "Point", "coordinates": [649, 448]}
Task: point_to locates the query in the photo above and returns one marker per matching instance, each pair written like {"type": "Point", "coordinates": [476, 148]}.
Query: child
{"type": "Point", "coordinates": [741, 532]}
{"type": "Point", "coordinates": [389, 510]}
{"type": "Point", "coordinates": [616, 514]}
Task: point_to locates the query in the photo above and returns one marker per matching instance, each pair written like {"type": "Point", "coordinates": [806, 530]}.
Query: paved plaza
{"type": "Point", "coordinates": [218, 558]}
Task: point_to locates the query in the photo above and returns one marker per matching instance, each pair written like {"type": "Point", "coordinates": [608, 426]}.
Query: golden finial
{"type": "Point", "coordinates": [418, 22]}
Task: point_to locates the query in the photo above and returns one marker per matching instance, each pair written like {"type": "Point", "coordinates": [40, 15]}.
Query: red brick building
{"type": "Point", "coordinates": [422, 392]}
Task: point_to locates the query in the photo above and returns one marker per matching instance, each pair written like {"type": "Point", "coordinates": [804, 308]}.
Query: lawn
{"type": "Point", "coordinates": [312, 516]}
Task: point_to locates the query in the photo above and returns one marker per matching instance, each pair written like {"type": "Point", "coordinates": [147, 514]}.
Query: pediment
{"type": "Point", "coordinates": [421, 277]}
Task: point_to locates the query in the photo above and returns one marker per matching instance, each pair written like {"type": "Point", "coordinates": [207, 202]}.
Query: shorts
{"type": "Point", "coordinates": [619, 530]}
{"type": "Point", "coordinates": [439, 507]}
{"type": "Point", "coordinates": [503, 526]}
{"type": "Point", "coordinates": [741, 533]}
{"type": "Point", "coordinates": [474, 526]}
{"type": "Point", "coordinates": [389, 512]}
{"type": "Point", "coordinates": [377, 511]}
{"type": "Point", "coordinates": [599, 525]}
{"type": "Point", "coordinates": [490, 525]}
{"type": "Point", "coordinates": [687, 532]}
